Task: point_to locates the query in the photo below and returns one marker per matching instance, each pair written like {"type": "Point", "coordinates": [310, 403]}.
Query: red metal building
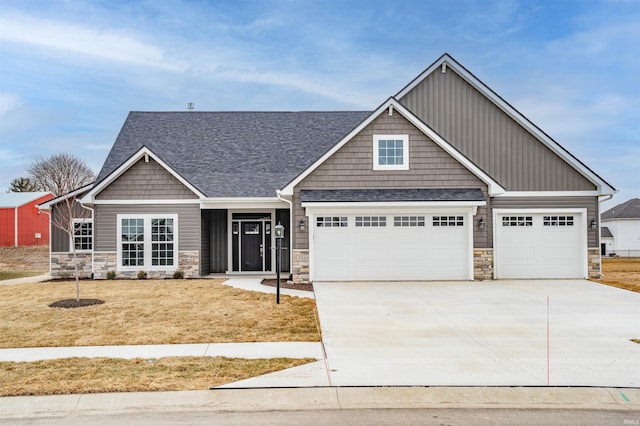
{"type": "Point", "coordinates": [20, 223]}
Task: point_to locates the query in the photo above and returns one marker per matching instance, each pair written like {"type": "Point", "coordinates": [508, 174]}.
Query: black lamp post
{"type": "Point", "coordinates": [279, 234]}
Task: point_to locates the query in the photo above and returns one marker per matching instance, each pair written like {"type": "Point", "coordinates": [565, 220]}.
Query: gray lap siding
{"type": "Point", "coordinates": [106, 229]}
{"type": "Point", "coordinates": [351, 167]}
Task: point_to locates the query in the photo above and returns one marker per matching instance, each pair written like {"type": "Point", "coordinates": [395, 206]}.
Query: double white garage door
{"type": "Point", "coordinates": [391, 247]}
{"type": "Point", "coordinates": [439, 246]}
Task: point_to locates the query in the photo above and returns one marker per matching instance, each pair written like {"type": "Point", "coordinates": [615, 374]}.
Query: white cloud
{"type": "Point", "coordinates": [106, 44]}
{"type": "Point", "coordinates": [8, 102]}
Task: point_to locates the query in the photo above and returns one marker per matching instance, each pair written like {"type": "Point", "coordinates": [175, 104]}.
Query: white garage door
{"type": "Point", "coordinates": [540, 245]}
{"type": "Point", "coordinates": [389, 247]}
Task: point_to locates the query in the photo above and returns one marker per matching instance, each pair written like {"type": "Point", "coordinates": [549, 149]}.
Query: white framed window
{"type": "Point", "coordinates": [331, 222]}
{"type": "Point", "coordinates": [408, 221]}
{"type": "Point", "coordinates": [517, 221]}
{"type": "Point", "coordinates": [557, 221]}
{"type": "Point", "coordinates": [147, 242]}
{"type": "Point", "coordinates": [448, 220]}
{"type": "Point", "coordinates": [364, 221]}
{"type": "Point", "coordinates": [82, 234]}
{"type": "Point", "coordinates": [390, 152]}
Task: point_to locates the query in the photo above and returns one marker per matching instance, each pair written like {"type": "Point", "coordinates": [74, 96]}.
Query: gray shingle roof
{"type": "Point", "coordinates": [233, 154]}
{"type": "Point", "coordinates": [605, 232]}
{"type": "Point", "coordinates": [374, 195]}
{"type": "Point", "coordinates": [628, 210]}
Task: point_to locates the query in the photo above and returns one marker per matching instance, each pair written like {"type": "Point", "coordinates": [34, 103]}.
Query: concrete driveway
{"type": "Point", "coordinates": [488, 333]}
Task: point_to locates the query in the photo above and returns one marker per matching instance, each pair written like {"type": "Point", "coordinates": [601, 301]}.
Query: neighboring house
{"type": "Point", "coordinates": [623, 224]}
{"type": "Point", "coordinates": [21, 224]}
{"type": "Point", "coordinates": [606, 242]}
{"type": "Point", "coordinates": [443, 181]}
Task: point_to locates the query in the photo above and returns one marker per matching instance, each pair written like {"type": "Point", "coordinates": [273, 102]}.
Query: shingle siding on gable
{"type": "Point", "coordinates": [352, 167]}
{"type": "Point", "coordinates": [489, 137]}
{"type": "Point", "coordinates": [148, 181]}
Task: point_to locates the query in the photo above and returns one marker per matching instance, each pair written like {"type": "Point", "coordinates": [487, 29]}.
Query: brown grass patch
{"type": "Point", "coordinates": [9, 275]}
{"type": "Point", "coordinates": [622, 273]}
{"type": "Point", "coordinates": [31, 260]}
{"type": "Point", "coordinates": [93, 375]}
{"type": "Point", "coordinates": [150, 312]}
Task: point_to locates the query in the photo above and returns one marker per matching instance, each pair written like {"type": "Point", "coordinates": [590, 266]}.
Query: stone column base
{"type": "Point", "coordinates": [188, 263]}
{"type": "Point", "coordinates": [482, 264]}
{"type": "Point", "coordinates": [300, 266]}
{"type": "Point", "coordinates": [593, 262]}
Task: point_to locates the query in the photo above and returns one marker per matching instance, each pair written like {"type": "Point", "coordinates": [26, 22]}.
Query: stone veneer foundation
{"type": "Point", "coordinates": [300, 266]}
{"type": "Point", "coordinates": [482, 264]}
{"type": "Point", "coordinates": [62, 265]}
{"type": "Point", "coordinates": [593, 262]}
{"type": "Point", "coordinates": [188, 261]}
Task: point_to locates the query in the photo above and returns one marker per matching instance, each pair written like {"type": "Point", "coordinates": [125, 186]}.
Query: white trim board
{"type": "Point", "coordinates": [494, 187]}
{"type": "Point", "coordinates": [445, 61]}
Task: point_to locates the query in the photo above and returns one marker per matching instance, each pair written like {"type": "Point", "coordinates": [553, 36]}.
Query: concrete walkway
{"type": "Point", "coordinates": [26, 280]}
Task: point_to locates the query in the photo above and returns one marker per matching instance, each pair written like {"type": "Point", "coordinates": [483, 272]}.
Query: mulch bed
{"type": "Point", "coordinates": [73, 303]}
{"type": "Point", "coordinates": [284, 284]}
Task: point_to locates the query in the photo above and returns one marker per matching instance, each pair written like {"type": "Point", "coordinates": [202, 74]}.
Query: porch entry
{"type": "Point", "coordinates": [251, 242]}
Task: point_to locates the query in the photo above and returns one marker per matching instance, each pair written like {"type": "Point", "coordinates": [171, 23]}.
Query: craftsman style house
{"type": "Point", "coordinates": [443, 181]}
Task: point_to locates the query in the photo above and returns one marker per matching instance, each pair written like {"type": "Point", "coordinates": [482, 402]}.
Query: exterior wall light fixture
{"type": "Point", "coordinates": [593, 224]}
{"type": "Point", "coordinates": [481, 223]}
{"type": "Point", "coordinates": [301, 226]}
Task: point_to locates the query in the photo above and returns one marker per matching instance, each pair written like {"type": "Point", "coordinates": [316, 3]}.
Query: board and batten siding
{"type": "Point", "coordinates": [59, 239]}
{"type": "Point", "coordinates": [106, 227]}
{"type": "Point", "coordinates": [484, 133]}
{"type": "Point", "coordinates": [351, 167]}
{"type": "Point", "coordinates": [556, 203]}
{"type": "Point", "coordinates": [146, 180]}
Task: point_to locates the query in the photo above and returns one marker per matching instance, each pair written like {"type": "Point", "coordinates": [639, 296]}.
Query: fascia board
{"type": "Point", "coordinates": [90, 196]}
{"type": "Point", "coordinates": [603, 187]}
{"type": "Point", "coordinates": [60, 198]}
{"type": "Point", "coordinates": [392, 204]}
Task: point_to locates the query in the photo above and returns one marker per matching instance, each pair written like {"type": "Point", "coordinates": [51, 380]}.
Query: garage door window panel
{"type": "Point", "coordinates": [439, 221]}
{"type": "Point", "coordinates": [408, 221]}
{"type": "Point", "coordinates": [517, 221]}
{"type": "Point", "coordinates": [558, 221]}
{"type": "Point", "coordinates": [371, 221]}
{"type": "Point", "coordinates": [331, 222]}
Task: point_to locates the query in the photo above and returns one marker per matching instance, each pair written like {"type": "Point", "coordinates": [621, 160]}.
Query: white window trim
{"type": "Point", "coordinates": [72, 241]}
{"type": "Point", "coordinates": [147, 242]}
{"type": "Point", "coordinates": [405, 152]}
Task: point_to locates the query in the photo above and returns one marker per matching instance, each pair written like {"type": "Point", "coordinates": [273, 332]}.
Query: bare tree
{"type": "Point", "coordinates": [60, 173]}
{"type": "Point", "coordinates": [68, 215]}
{"type": "Point", "coordinates": [22, 184]}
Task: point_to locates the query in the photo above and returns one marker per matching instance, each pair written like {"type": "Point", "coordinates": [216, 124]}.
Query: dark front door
{"type": "Point", "coordinates": [252, 248]}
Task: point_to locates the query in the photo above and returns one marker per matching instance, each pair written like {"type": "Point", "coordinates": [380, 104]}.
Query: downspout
{"type": "Point", "coordinates": [291, 230]}
{"type": "Point", "coordinates": [93, 236]}
{"type": "Point", "coordinates": [607, 198]}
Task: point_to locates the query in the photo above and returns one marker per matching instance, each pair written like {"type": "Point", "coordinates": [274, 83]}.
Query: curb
{"type": "Point", "coordinates": [318, 398]}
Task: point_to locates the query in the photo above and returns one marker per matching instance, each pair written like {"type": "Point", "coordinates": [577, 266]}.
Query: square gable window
{"type": "Point", "coordinates": [390, 152]}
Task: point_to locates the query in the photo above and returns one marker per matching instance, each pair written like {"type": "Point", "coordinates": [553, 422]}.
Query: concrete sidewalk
{"type": "Point", "coordinates": [26, 280]}
{"type": "Point", "coordinates": [318, 398]}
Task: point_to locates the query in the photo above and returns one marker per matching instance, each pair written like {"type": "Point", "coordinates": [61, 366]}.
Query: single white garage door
{"type": "Point", "coordinates": [540, 245]}
{"type": "Point", "coordinates": [391, 247]}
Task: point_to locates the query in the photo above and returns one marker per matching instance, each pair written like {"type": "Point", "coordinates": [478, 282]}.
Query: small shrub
{"type": "Point", "coordinates": [142, 275]}
{"type": "Point", "coordinates": [111, 275]}
{"type": "Point", "coordinates": [178, 275]}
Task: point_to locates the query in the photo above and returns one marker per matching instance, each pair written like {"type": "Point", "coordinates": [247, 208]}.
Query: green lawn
{"type": "Point", "coordinates": [9, 275]}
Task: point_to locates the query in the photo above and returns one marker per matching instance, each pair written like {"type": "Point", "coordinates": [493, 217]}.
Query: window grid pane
{"type": "Point", "coordinates": [448, 221]}
{"type": "Point", "coordinates": [161, 242]}
{"type": "Point", "coordinates": [557, 221]}
{"type": "Point", "coordinates": [132, 231]}
{"type": "Point", "coordinates": [390, 152]}
{"type": "Point", "coordinates": [83, 236]}
{"type": "Point", "coordinates": [331, 222]}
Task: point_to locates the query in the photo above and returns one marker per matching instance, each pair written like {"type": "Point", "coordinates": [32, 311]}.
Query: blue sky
{"type": "Point", "coordinates": [71, 70]}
